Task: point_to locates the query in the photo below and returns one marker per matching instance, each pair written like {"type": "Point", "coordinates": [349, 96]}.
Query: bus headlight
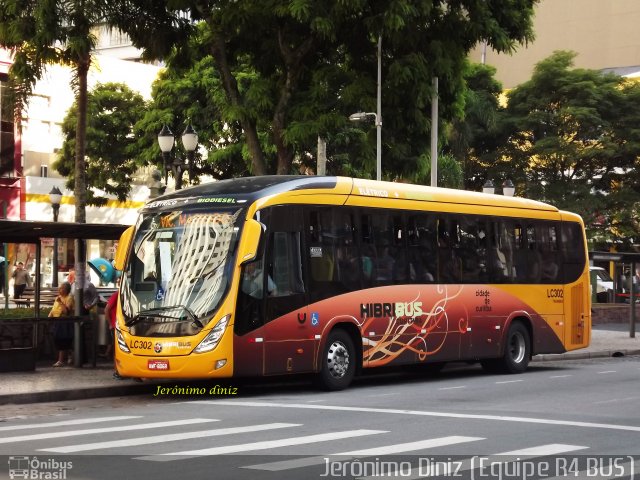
{"type": "Point", "coordinates": [211, 341]}
{"type": "Point", "coordinates": [121, 343]}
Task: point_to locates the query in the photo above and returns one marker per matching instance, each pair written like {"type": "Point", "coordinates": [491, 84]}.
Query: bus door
{"type": "Point", "coordinates": [289, 340]}
{"type": "Point", "coordinates": [248, 344]}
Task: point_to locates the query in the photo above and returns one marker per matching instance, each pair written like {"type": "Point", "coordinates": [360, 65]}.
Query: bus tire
{"type": "Point", "coordinates": [338, 361]}
{"type": "Point", "coordinates": [517, 349]}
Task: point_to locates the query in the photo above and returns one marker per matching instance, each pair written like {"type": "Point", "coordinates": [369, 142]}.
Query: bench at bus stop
{"type": "Point", "coordinates": [28, 298]}
{"type": "Point", "coordinates": [22, 340]}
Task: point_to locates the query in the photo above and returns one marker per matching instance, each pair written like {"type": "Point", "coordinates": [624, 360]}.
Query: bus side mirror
{"type": "Point", "coordinates": [123, 248]}
{"type": "Point", "coordinates": [250, 241]}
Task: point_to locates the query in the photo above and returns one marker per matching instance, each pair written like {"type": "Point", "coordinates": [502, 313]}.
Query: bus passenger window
{"type": "Point", "coordinates": [449, 263]}
{"type": "Point", "coordinates": [550, 269]}
{"type": "Point", "coordinates": [421, 236]}
{"type": "Point", "coordinates": [286, 276]}
{"type": "Point", "coordinates": [333, 254]}
{"type": "Point", "coordinates": [533, 256]}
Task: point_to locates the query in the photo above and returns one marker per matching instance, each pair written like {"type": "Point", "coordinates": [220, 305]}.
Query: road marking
{"type": "Point", "coordinates": [543, 450]}
{"type": "Point", "coordinates": [423, 413]}
{"type": "Point", "coordinates": [560, 376]}
{"type": "Point", "coordinates": [383, 395]}
{"type": "Point", "coordinates": [452, 388]}
{"type": "Point", "coordinates": [65, 423]}
{"type": "Point", "coordinates": [384, 450]}
{"type": "Point", "coordinates": [265, 445]}
{"type": "Point", "coordinates": [615, 400]}
{"type": "Point", "coordinates": [509, 381]}
{"type": "Point", "coordinates": [130, 442]}
{"type": "Point", "coordinates": [608, 371]}
{"type": "Point", "coordinates": [473, 463]}
{"type": "Point", "coordinates": [125, 428]}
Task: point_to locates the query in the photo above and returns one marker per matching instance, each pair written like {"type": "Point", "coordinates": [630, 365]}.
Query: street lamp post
{"type": "Point", "coordinates": [55, 197]}
{"type": "Point", "coordinates": [360, 116]}
{"type": "Point", "coordinates": [166, 141]}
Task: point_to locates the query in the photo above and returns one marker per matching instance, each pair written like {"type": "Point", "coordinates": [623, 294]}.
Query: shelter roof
{"type": "Point", "coordinates": [24, 231]}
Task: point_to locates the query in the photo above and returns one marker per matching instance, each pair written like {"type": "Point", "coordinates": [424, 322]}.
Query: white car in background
{"type": "Point", "coordinates": [604, 283]}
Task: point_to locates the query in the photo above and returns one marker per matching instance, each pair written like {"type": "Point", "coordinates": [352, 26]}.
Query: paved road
{"type": "Point", "coordinates": [580, 410]}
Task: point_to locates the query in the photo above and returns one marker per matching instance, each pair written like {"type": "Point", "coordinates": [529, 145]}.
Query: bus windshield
{"type": "Point", "coordinates": [178, 270]}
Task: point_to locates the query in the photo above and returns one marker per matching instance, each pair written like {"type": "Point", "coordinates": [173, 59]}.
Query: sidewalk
{"type": "Point", "coordinates": [48, 384]}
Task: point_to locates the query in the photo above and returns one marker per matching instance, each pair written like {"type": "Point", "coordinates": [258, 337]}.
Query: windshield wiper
{"type": "Point", "coordinates": [158, 313]}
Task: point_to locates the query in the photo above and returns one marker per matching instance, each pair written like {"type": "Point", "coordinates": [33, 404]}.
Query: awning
{"type": "Point", "coordinates": [23, 231]}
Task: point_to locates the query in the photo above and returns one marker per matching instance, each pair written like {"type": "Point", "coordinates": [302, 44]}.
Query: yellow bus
{"type": "Point", "coordinates": [291, 274]}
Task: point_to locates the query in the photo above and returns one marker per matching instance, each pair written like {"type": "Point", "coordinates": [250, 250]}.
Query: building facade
{"type": "Point", "coordinates": [603, 33]}
{"type": "Point", "coordinates": [29, 146]}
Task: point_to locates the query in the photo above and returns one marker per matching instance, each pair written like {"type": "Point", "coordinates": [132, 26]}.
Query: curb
{"type": "Point", "coordinates": [618, 352]}
{"type": "Point", "coordinates": [77, 394]}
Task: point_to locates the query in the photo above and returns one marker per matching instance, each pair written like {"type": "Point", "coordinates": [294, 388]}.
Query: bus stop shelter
{"type": "Point", "coordinates": [628, 258]}
{"type": "Point", "coordinates": [29, 232]}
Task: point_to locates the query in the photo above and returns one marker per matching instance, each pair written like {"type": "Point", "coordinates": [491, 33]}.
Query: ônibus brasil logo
{"type": "Point", "coordinates": [35, 468]}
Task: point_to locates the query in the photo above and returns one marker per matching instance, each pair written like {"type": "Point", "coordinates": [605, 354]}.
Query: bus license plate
{"type": "Point", "coordinates": [158, 365]}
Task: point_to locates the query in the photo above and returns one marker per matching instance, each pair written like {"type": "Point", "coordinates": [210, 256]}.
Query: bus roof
{"type": "Point", "coordinates": [248, 189]}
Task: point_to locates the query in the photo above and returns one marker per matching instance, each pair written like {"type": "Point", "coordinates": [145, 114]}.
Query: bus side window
{"type": "Point", "coordinates": [550, 270]}
{"type": "Point", "coordinates": [573, 249]}
{"type": "Point", "coordinates": [249, 310]}
{"type": "Point", "coordinates": [422, 248]}
{"type": "Point", "coordinates": [472, 254]}
{"type": "Point", "coordinates": [449, 262]}
{"type": "Point", "coordinates": [333, 254]}
{"type": "Point", "coordinates": [533, 275]}
{"type": "Point", "coordinates": [286, 276]}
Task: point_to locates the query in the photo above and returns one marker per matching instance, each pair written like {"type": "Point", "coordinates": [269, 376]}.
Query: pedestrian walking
{"type": "Point", "coordinates": [21, 280]}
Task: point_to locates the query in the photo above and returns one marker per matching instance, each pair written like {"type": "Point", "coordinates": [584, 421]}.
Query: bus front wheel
{"type": "Point", "coordinates": [338, 361]}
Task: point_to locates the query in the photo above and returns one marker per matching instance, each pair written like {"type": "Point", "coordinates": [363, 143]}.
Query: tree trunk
{"type": "Point", "coordinates": [293, 66]}
{"type": "Point", "coordinates": [230, 85]}
{"type": "Point", "coordinates": [80, 186]}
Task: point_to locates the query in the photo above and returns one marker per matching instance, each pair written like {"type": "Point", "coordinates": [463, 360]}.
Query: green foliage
{"type": "Point", "coordinates": [473, 137]}
{"type": "Point", "coordinates": [293, 70]}
{"type": "Point", "coordinates": [450, 174]}
{"type": "Point", "coordinates": [573, 141]}
{"type": "Point", "coordinates": [20, 313]}
{"type": "Point", "coordinates": [113, 110]}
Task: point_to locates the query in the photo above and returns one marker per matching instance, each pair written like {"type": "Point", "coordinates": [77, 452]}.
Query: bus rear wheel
{"type": "Point", "coordinates": [517, 349]}
{"type": "Point", "coordinates": [338, 361]}
{"type": "Point", "coordinates": [517, 352]}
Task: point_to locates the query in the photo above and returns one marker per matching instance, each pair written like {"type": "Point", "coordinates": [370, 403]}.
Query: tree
{"type": "Point", "coordinates": [190, 91]}
{"type": "Point", "coordinates": [314, 63]}
{"type": "Point", "coordinates": [44, 32]}
{"type": "Point", "coordinates": [473, 137]}
{"type": "Point", "coordinates": [573, 141]}
{"type": "Point", "coordinates": [111, 155]}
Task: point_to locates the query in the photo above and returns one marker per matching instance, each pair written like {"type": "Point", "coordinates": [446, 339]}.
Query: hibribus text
{"type": "Point", "coordinates": [215, 390]}
{"type": "Point", "coordinates": [398, 309]}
